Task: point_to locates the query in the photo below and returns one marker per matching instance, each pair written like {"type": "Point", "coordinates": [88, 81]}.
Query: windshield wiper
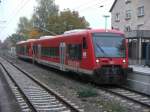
{"type": "Point", "coordinates": [101, 49]}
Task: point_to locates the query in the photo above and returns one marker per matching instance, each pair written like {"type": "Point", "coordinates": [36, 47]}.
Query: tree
{"type": "Point", "coordinates": [35, 33]}
{"type": "Point", "coordinates": [14, 38]}
{"type": "Point", "coordinates": [72, 20]}
{"type": "Point", "coordinates": [66, 20]}
{"type": "Point", "coordinates": [46, 20]}
{"type": "Point", "coordinates": [24, 27]}
{"type": "Point", "coordinates": [43, 11]}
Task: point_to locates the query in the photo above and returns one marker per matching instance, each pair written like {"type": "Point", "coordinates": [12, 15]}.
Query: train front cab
{"type": "Point", "coordinates": [111, 58]}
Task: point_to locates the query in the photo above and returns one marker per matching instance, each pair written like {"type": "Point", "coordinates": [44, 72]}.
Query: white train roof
{"type": "Point", "coordinates": [47, 37]}
{"type": "Point", "coordinates": [75, 31]}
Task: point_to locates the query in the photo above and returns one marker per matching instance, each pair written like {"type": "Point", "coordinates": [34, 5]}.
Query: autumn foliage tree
{"type": "Point", "coordinates": [66, 20]}
{"type": "Point", "coordinates": [48, 20]}
{"type": "Point", "coordinates": [24, 26]}
{"type": "Point", "coordinates": [44, 10]}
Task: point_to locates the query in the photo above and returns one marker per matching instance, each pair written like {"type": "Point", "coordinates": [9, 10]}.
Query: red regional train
{"type": "Point", "coordinates": [98, 53]}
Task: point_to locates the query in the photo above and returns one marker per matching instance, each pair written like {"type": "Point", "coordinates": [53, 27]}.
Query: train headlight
{"type": "Point", "coordinates": [124, 61]}
{"type": "Point", "coordinates": [97, 61]}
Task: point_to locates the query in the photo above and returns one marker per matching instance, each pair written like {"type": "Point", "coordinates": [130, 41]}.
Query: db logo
{"type": "Point", "coordinates": [84, 54]}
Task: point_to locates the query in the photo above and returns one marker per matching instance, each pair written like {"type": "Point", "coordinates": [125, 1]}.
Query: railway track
{"type": "Point", "coordinates": [31, 94]}
{"type": "Point", "coordinates": [136, 97]}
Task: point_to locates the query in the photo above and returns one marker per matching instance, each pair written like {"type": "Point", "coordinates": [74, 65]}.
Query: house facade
{"type": "Point", "coordinates": [129, 15]}
{"type": "Point", "coordinates": [133, 17]}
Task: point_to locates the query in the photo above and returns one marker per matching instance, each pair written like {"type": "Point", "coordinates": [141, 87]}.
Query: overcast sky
{"type": "Point", "coordinates": [12, 10]}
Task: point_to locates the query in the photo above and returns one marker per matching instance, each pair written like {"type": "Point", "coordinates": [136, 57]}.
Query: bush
{"type": "Point", "coordinates": [87, 92]}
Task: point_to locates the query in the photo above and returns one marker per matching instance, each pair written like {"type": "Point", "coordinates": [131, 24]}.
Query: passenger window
{"type": "Point", "coordinates": [50, 52]}
{"type": "Point", "coordinates": [84, 43]}
{"type": "Point", "coordinates": [75, 51]}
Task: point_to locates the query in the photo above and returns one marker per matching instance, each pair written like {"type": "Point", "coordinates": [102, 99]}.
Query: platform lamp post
{"type": "Point", "coordinates": [101, 6]}
{"type": "Point", "coordinates": [106, 17]}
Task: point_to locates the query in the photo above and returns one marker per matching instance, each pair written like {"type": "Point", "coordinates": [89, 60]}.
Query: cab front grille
{"type": "Point", "coordinates": [111, 70]}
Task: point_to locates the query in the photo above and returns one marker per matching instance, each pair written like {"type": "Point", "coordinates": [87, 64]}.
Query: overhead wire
{"type": "Point", "coordinates": [91, 5]}
{"type": "Point", "coordinates": [16, 13]}
{"type": "Point", "coordinates": [81, 7]}
{"type": "Point", "coordinates": [102, 3]}
{"type": "Point", "coordinates": [12, 12]}
{"type": "Point", "coordinates": [24, 2]}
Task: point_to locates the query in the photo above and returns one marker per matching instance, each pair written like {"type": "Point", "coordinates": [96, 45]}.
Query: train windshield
{"type": "Point", "coordinates": [109, 45]}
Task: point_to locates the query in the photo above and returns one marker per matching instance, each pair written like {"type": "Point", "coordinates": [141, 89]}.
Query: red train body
{"type": "Point", "coordinates": [101, 54]}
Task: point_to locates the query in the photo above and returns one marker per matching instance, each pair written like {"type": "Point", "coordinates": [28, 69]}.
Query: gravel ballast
{"type": "Point", "coordinates": [76, 91]}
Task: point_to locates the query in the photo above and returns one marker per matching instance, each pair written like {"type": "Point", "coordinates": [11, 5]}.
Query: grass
{"type": "Point", "coordinates": [112, 106]}
{"type": "Point", "coordinates": [84, 92]}
{"type": "Point", "coordinates": [109, 106]}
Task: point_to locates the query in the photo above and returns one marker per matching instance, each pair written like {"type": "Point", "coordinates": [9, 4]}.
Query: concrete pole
{"type": "Point", "coordinates": [140, 50]}
{"type": "Point", "coordinates": [106, 16]}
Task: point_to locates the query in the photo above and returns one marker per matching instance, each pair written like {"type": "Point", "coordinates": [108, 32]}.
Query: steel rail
{"type": "Point", "coordinates": [127, 97]}
{"type": "Point", "coordinates": [72, 106]}
{"type": "Point", "coordinates": [20, 90]}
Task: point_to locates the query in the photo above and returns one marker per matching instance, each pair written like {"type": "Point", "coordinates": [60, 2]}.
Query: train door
{"type": "Point", "coordinates": [33, 53]}
{"type": "Point", "coordinates": [39, 53]}
{"type": "Point", "coordinates": [62, 52]}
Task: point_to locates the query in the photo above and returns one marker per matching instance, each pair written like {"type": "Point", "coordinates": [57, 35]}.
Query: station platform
{"type": "Point", "coordinates": [141, 69]}
{"type": "Point", "coordinates": [139, 79]}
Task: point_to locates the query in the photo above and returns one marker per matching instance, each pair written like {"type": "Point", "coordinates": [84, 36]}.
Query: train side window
{"type": "Point", "coordinates": [84, 43]}
{"type": "Point", "coordinates": [75, 51]}
{"type": "Point", "coordinates": [50, 52]}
